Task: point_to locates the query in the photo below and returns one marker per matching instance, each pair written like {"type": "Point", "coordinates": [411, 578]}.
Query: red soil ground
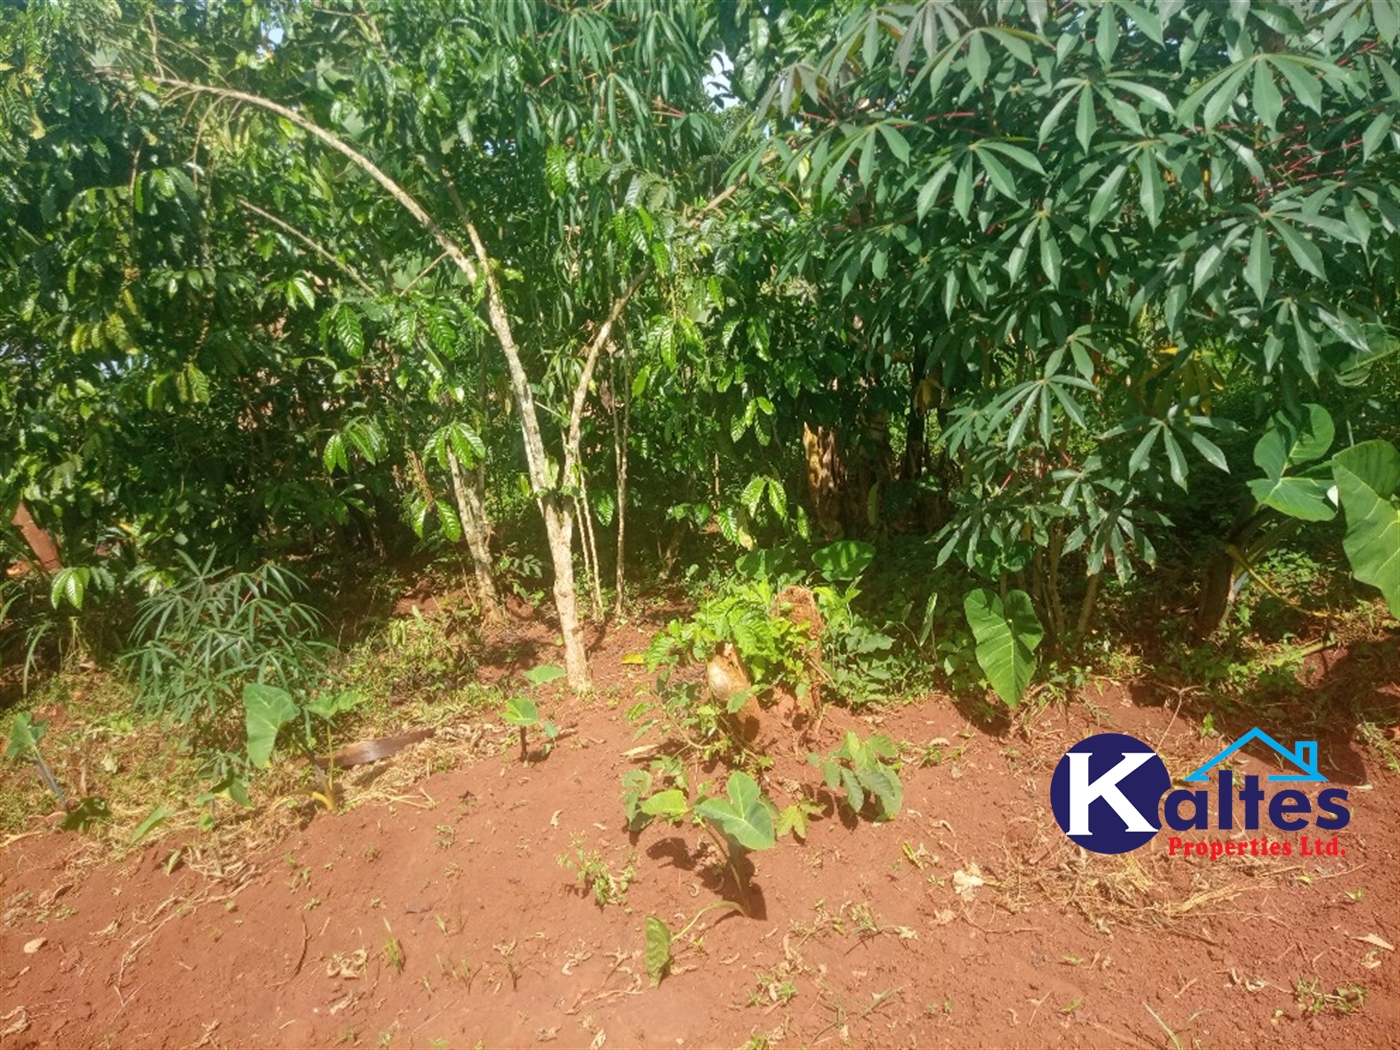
{"type": "Point", "coordinates": [439, 914]}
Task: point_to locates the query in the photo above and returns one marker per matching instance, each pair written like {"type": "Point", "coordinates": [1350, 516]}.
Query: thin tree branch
{"type": "Point", "coordinates": [423, 273]}
{"type": "Point", "coordinates": [600, 339]}
{"type": "Point", "coordinates": [323, 252]}
{"type": "Point", "coordinates": [449, 246]}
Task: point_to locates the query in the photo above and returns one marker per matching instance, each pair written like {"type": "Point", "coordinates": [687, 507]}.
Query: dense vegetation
{"type": "Point", "coordinates": [982, 304]}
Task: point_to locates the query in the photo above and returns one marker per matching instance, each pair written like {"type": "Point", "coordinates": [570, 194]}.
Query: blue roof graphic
{"type": "Point", "coordinates": [1304, 756]}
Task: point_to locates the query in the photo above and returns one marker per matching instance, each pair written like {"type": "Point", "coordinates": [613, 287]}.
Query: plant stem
{"type": "Point", "coordinates": [739, 882]}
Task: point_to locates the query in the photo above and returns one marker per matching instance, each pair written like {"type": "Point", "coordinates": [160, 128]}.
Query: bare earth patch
{"type": "Point", "coordinates": [436, 910]}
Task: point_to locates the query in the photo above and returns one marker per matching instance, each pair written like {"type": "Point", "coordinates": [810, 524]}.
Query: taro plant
{"type": "Point", "coordinates": [1007, 632]}
{"type": "Point", "coordinates": [660, 941]}
{"type": "Point", "coordinates": [866, 772]}
{"type": "Point", "coordinates": [524, 713]}
{"type": "Point", "coordinates": [739, 820]}
{"type": "Point", "coordinates": [25, 734]}
{"type": "Point", "coordinates": [268, 708]}
{"type": "Point", "coordinates": [1299, 484]}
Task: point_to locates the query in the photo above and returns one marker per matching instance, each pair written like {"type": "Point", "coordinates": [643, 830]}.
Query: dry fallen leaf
{"type": "Point", "coordinates": [965, 883]}
{"type": "Point", "coordinates": [30, 947]}
{"type": "Point", "coordinates": [1372, 940]}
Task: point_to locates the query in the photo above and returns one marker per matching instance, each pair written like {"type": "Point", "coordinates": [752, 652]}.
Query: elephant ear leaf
{"type": "Point", "coordinates": [744, 815]}
{"type": "Point", "coordinates": [1007, 635]}
{"type": "Point", "coordinates": [267, 709]}
{"type": "Point", "coordinates": [1367, 475]}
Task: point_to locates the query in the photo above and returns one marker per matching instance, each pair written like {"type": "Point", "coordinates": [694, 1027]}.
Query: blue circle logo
{"type": "Point", "coordinates": [1106, 792]}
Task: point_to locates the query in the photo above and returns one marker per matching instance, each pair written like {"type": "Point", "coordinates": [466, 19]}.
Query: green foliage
{"type": "Point", "coordinates": [1007, 634]}
{"type": "Point", "coordinates": [744, 815]}
{"type": "Point", "coordinates": [268, 708]}
{"type": "Point", "coordinates": [1286, 445]}
{"type": "Point", "coordinates": [744, 613]}
{"type": "Point", "coordinates": [595, 876]}
{"type": "Point", "coordinates": [660, 944]}
{"type": "Point", "coordinates": [865, 771]}
{"type": "Point", "coordinates": [25, 734]}
{"type": "Point", "coordinates": [524, 713]}
{"type": "Point", "coordinates": [197, 641]}
{"type": "Point", "coordinates": [658, 949]}
{"type": "Point", "coordinates": [1367, 476]}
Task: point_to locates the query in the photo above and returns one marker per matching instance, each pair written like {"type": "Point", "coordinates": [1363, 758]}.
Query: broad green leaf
{"type": "Point", "coordinates": [1298, 497]}
{"type": "Point", "coordinates": [658, 949]}
{"type": "Point", "coordinates": [882, 782]}
{"type": "Point", "coordinates": [670, 803]}
{"type": "Point", "coordinates": [1372, 541]}
{"type": "Point", "coordinates": [743, 816]}
{"type": "Point", "coordinates": [1007, 636]}
{"type": "Point", "coordinates": [68, 585]}
{"type": "Point", "coordinates": [155, 818]}
{"type": "Point", "coordinates": [843, 560]}
{"type": "Point", "coordinates": [25, 733]}
{"type": "Point", "coordinates": [327, 705]}
{"type": "Point", "coordinates": [521, 711]}
{"type": "Point", "coordinates": [86, 813]}
{"type": "Point", "coordinates": [267, 709]}
{"type": "Point", "coordinates": [544, 674]}
{"type": "Point", "coordinates": [334, 455]}
{"type": "Point", "coordinates": [1375, 464]}
{"type": "Point", "coordinates": [1290, 444]}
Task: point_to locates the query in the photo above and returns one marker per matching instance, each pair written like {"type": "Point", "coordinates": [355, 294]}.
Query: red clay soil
{"type": "Point", "coordinates": [446, 919]}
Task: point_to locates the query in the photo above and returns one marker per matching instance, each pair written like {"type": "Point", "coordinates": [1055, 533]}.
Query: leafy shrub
{"type": "Point", "coordinates": [865, 772]}
{"type": "Point", "coordinates": [198, 641]}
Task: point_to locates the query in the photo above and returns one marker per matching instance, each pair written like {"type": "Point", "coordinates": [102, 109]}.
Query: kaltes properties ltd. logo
{"type": "Point", "coordinates": [1107, 795]}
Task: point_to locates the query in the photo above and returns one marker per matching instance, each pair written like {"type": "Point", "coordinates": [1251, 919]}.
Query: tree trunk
{"type": "Point", "coordinates": [559, 529]}
{"type": "Point", "coordinates": [620, 436]}
{"type": "Point", "coordinates": [557, 517]}
{"type": "Point", "coordinates": [476, 530]}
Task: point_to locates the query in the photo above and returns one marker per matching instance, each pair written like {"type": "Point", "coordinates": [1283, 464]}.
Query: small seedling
{"type": "Point", "coordinates": [524, 714]}
{"type": "Point", "coordinates": [660, 941]}
{"type": "Point", "coordinates": [741, 819]}
{"type": "Point", "coordinates": [864, 771]}
{"type": "Point", "coordinates": [25, 734]}
{"type": "Point", "coordinates": [1311, 999]}
{"type": "Point", "coordinates": [393, 954]}
{"type": "Point", "coordinates": [595, 876]}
